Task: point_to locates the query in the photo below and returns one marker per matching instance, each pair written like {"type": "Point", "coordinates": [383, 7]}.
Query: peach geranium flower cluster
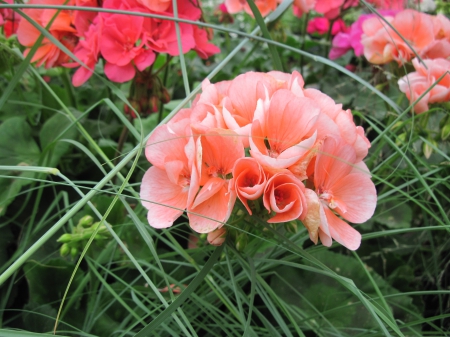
{"type": "Point", "coordinates": [304, 160]}
{"type": "Point", "coordinates": [428, 36]}
{"type": "Point", "coordinates": [126, 43]}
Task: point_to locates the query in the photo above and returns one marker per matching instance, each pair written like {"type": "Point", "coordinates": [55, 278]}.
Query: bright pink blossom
{"type": "Point", "coordinates": [9, 20]}
{"type": "Point", "coordinates": [332, 8]}
{"type": "Point", "coordinates": [322, 26]}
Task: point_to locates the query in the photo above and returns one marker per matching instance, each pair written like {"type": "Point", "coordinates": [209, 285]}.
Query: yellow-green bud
{"type": "Point", "coordinates": [64, 250]}
{"type": "Point", "coordinates": [241, 242]}
{"type": "Point", "coordinates": [86, 221]}
{"type": "Point", "coordinates": [65, 238]}
{"type": "Point", "coordinates": [73, 252]}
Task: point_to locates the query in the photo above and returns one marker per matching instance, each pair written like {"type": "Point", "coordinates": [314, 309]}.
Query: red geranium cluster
{"type": "Point", "coordinates": [127, 43]}
{"type": "Point", "coordinates": [9, 20]}
{"type": "Point", "coordinates": [265, 139]}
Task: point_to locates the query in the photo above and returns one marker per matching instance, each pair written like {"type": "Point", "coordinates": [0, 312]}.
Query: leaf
{"type": "Point", "coordinates": [323, 297]}
{"type": "Point", "coordinates": [47, 282]}
{"type": "Point", "coordinates": [277, 65]}
{"type": "Point", "coordinates": [394, 215]}
{"type": "Point", "coordinates": [57, 127]}
{"type": "Point", "coordinates": [39, 318]}
{"type": "Point", "coordinates": [17, 146]}
{"type": "Point", "coordinates": [9, 188]}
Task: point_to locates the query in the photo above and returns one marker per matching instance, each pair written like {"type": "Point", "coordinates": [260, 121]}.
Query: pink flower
{"type": "Point", "coordinates": [283, 131]}
{"type": "Point", "coordinates": [216, 153]}
{"type": "Point", "coordinates": [61, 28]}
{"type": "Point", "coordinates": [87, 50]}
{"type": "Point", "coordinates": [217, 237]}
{"type": "Point", "coordinates": [122, 47]}
{"type": "Point", "coordinates": [416, 83]}
{"type": "Point", "coordinates": [382, 44]}
{"type": "Point", "coordinates": [303, 6]}
{"type": "Point", "coordinates": [345, 41]}
{"type": "Point", "coordinates": [344, 188]}
{"type": "Point", "coordinates": [322, 25]}
{"type": "Point", "coordinates": [9, 20]}
{"type": "Point", "coordinates": [285, 195]}
{"type": "Point", "coordinates": [203, 48]}
{"type": "Point", "coordinates": [332, 8]}
{"type": "Point", "coordinates": [170, 185]}
{"type": "Point", "coordinates": [264, 6]}
{"type": "Point", "coordinates": [389, 4]}
{"type": "Point", "coordinates": [156, 5]}
{"type": "Point", "coordinates": [249, 180]}
{"type": "Point", "coordinates": [83, 19]}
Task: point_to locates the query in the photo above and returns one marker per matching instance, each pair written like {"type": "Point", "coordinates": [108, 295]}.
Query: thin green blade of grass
{"type": "Point", "coordinates": [277, 64]}
{"type": "Point", "coordinates": [184, 294]}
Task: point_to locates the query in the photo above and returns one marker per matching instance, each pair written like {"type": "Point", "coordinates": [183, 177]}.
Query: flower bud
{"type": "Point", "coordinates": [86, 221]}
{"type": "Point", "coordinates": [73, 252]}
{"type": "Point", "coordinates": [64, 250]}
{"type": "Point", "coordinates": [217, 237]}
{"type": "Point", "coordinates": [65, 238]}
{"type": "Point", "coordinates": [241, 242]}
{"type": "Point", "coordinates": [445, 133]}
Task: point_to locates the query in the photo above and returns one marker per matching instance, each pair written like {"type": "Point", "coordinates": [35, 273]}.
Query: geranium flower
{"type": "Point", "coordinates": [416, 83]}
{"type": "Point", "coordinates": [344, 187]}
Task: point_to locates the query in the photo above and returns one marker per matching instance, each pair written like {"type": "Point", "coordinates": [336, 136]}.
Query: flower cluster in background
{"type": "Point", "coordinates": [9, 20]}
{"type": "Point", "coordinates": [127, 43]}
{"type": "Point", "coordinates": [304, 160]}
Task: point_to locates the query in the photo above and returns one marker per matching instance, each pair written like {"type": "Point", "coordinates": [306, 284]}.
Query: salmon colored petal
{"type": "Point", "coordinates": [220, 150]}
{"type": "Point", "coordinates": [334, 160]}
{"type": "Point", "coordinates": [342, 232]}
{"type": "Point", "coordinates": [212, 213]}
{"type": "Point", "coordinates": [173, 170]}
{"type": "Point", "coordinates": [212, 186]}
{"type": "Point", "coordinates": [249, 180]}
{"type": "Point", "coordinates": [164, 200]}
{"type": "Point", "coordinates": [357, 192]}
{"type": "Point", "coordinates": [290, 119]}
{"type": "Point", "coordinates": [284, 194]}
{"type": "Point", "coordinates": [163, 142]}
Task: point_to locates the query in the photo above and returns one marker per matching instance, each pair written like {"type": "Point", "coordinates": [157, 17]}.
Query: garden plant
{"type": "Point", "coordinates": [224, 168]}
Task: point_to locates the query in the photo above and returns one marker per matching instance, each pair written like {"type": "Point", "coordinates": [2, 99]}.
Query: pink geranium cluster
{"type": "Point", "coordinates": [304, 160]}
{"type": "Point", "coordinates": [427, 35]}
{"type": "Point", "coordinates": [331, 9]}
{"type": "Point", "coordinates": [426, 76]}
{"type": "Point", "coordinates": [9, 20]}
{"type": "Point", "coordinates": [127, 43]}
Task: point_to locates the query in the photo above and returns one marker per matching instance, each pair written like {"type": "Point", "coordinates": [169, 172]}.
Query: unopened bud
{"type": "Point", "coordinates": [217, 237]}
{"type": "Point", "coordinates": [73, 252]}
{"type": "Point", "coordinates": [241, 242]}
{"type": "Point", "coordinates": [86, 221]}
{"type": "Point", "coordinates": [65, 238]}
{"type": "Point", "coordinates": [428, 149]}
{"type": "Point", "coordinates": [165, 96]}
{"type": "Point", "coordinates": [445, 133]}
{"type": "Point", "coordinates": [64, 250]}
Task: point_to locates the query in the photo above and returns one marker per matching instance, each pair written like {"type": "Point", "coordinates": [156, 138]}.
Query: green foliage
{"type": "Point", "coordinates": [266, 280]}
